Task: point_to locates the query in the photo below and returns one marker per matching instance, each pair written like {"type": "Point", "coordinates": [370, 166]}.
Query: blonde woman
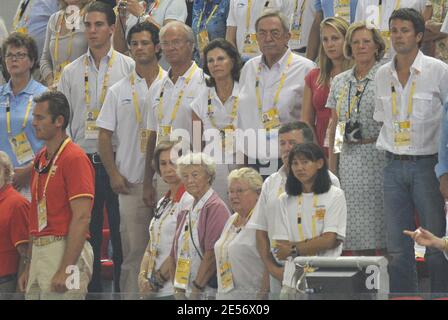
{"type": "Point", "coordinates": [317, 82]}
{"type": "Point", "coordinates": [240, 270]}
{"type": "Point", "coordinates": [65, 40]}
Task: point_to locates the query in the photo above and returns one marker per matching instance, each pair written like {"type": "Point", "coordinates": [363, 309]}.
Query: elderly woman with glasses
{"type": "Point", "coordinates": [240, 270]}
{"type": "Point", "coordinates": [14, 209]}
{"type": "Point", "coordinates": [17, 136]}
{"type": "Point", "coordinates": [198, 229]}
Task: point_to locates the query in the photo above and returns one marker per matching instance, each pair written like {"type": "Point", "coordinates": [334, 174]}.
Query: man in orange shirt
{"type": "Point", "coordinates": [62, 187]}
{"type": "Point", "coordinates": [14, 234]}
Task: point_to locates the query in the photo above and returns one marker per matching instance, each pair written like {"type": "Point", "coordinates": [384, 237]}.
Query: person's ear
{"type": "Point", "coordinates": [320, 163]}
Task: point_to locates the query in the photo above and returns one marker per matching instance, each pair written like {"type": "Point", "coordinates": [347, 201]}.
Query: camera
{"type": "Point", "coordinates": [353, 131]}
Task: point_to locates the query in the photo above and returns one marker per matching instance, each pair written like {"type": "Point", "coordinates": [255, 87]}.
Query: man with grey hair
{"type": "Point", "coordinates": [169, 99]}
{"type": "Point", "coordinates": [271, 85]}
{"type": "Point", "coordinates": [14, 210]}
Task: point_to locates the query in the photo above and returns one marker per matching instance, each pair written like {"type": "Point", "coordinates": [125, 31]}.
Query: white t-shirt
{"type": "Point", "coordinates": [237, 18]}
{"type": "Point", "coordinates": [334, 218]}
{"type": "Point", "coordinates": [290, 97]}
{"type": "Point", "coordinates": [171, 92]}
{"type": "Point", "coordinates": [430, 93]}
{"type": "Point", "coordinates": [444, 27]}
{"type": "Point", "coordinates": [72, 85]}
{"type": "Point", "coordinates": [246, 264]}
{"type": "Point", "coordinates": [166, 224]}
{"type": "Point", "coordinates": [367, 10]}
{"type": "Point", "coordinates": [118, 115]}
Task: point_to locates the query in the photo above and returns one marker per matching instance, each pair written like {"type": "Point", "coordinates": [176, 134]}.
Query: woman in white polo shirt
{"type": "Point", "coordinates": [313, 212]}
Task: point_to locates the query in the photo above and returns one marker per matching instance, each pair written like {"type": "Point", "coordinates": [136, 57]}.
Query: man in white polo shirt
{"type": "Point", "coordinates": [265, 211]}
{"type": "Point", "coordinates": [85, 82]}
{"type": "Point", "coordinates": [410, 91]}
{"type": "Point", "coordinates": [271, 87]}
{"type": "Point", "coordinates": [124, 115]}
{"type": "Point", "coordinates": [169, 99]}
{"type": "Point", "coordinates": [241, 23]}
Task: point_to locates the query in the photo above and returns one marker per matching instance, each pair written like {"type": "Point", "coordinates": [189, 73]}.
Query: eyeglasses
{"type": "Point", "coordinates": [275, 34]}
{"type": "Point", "coordinates": [176, 44]}
{"type": "Point", "coordinates": [17, 56]}
{"type": "Point", "coordinates": [237, 192]}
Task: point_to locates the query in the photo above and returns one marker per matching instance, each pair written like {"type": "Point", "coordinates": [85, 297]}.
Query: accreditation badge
{"type": "Point", "coordinates": [42, 214]}
{"type": "Point", "coordinates": [402, 133]}
{"type": "Point", "coordinates": [250, 46]}
{"type": "Point", "coordinates": [164, 131]}
{"type": "Point", "coordinates": [151, 262]}
{"type": "Point", "coordinates": [386, 37]}
{"type": "Point", "coordinates": [296, 28]}
{"type": "Point", "coordinates": [23, 30]}
{"type": "Point", "coordinates": [225, 274]}
{"type": "Point", "coordinates": [21, 148]}
{"type": "Point", "coordinates": [91, 130]}
{"type": "Point", "coordinates": [320, 213]}
{"type": "Point", "coordinates": [58, 73]}
{"type": "Point", "coordinates": [203, 40]}
{"type": "Point", "coordinates": [339, 137]}
{"type": "Point", "coordinates": [182, 275]}
{"type": "Point", "coordinates": [144, 135]}
{"type": "Point", "coordinates": [270, 119]}
{"type": "Point", "coordinates": [228, 139]}
{"type": "Point", "coordinates": [342, 9]}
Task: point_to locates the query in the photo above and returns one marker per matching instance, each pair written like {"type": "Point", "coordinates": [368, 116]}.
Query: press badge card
{"type": "Point", "coordinates": [296, 29]}
{"type": "Point", "coordinates": [250, 46]}
{"type": "Point", "coordinates": [270, 119]}
{"type": "Point", "coordinates": [21, 148]}
{"type": "Point", "coordinates": [225, 274]}
{"type": "Point", "coordinates": [339, 137]}
{"type": "Point", "coordinates": [202, 40]}
{"type": "Point", "coordinates": [342, 9]}
{"type": "Point", "coordinates": [182, 273]}
{"type": "Point", "coordinates": [386, 37]}
{"type": "Point", "coordinates": [91, 130]}
{"type": "Point", "coordinates": [144, 134]}
{"type": "Point", "coordinates": [402, 133]}
{"type": "Point", "coordinates": [228, 138]}
{"type": "Point", "coordinates": [42, 214]}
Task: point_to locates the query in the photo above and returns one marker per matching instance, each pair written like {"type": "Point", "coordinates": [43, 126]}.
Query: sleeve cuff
{"type": "Point", "coordinates": [21, 242]}
{"type": "Point", "coordinates": [440, 169]}
{"type": "Point", "coordinates": [83, 195]}
{"type": "Point", "coordinates": [105, 125]}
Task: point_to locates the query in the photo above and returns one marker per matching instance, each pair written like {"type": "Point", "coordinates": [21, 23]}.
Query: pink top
{"type": "Point", "coordinates": [212, 220]}
{"type": "Point", "coordinates": [319, 100]}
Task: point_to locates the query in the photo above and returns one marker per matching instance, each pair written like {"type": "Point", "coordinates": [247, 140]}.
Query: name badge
{"type": "Point", "coordinates": [320, 213]}
{"type": "Point", "coordinates": [91, 130]}
{"type": "Point", "coordinates": [225, 274]}
{"type": "Point", "coordinates": [202, 40]}
{"type": "Point", "coordinates": [23, 30]}
{"type": "Point", "coordinates": [386, 38]}
{"type": "Point", "coordinates": [58, 73]}
{"type": "Point", "coordinates": [296, 28]}
{"type": "Point", "coordinates": [402, 133]}
{"type": "Point", "coordinates": [151, 262]}
{"type": "Point", "coordinates": [21, 148]}
{"type": "Point", "coordinates": [228, 139]}
{"type": "Point", "coordinates": [144, 135]}
{"type": "Point", "coordinates": [270, 119]}
{"type": "Point", "coordinates": [342, 9]}
{"type": "Point", "coordinates": [250, 46]}
{"type": "Point", "coordinates": [339, 137]}
{"type": "Point", "coordinates": [182, 273]}
{"type": "Point", "coordinates": [42, 214]}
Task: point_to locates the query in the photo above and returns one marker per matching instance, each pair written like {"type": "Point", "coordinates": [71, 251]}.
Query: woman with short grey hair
{"type": "Point", "coordinates": [198, 228]}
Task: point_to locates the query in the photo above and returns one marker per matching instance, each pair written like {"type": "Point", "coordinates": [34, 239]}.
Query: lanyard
{"type": "Point", "coordinates": [50, 173]}
{"type": "Point", "coordinates": [299, 217]}
{"type": "Point", "coordinates": [302, 8]}
{"type": "Point", "coordinates": [179, 98]}
{"type": "Point", "coordinates": [56, 41]}
{"type": "Point", "coordinates": [209, 18]}
{"type": "Point", "coordinates": [20, 13]}
{"type": "Point", "coordinates": [249, 6]}
{"type": "Point", "coordinates": [380, 11]}
{"type": "Point", "coordinates": [138, 116]}
{"type": "Point", "coordinates": [279, 89]}
{"type": "Point", "coordinates": [394, 99]}
{"type": "Point", "coordinates": [357, 99]}
{"type": "Point", "coordinates": [155, 240]}
{"type": "Point", "coordinates": [210, 111]}
{"type": "Point", "coordinates": [8, 114]}
{"type": "Point", "coordinates": [105, 81]}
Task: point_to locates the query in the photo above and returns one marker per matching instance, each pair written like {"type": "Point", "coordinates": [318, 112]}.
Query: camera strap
{"type": "Point", "coordinates": [357, 99]}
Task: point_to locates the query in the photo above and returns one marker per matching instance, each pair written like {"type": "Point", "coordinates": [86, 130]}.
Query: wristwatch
{"type": "Point", "coordinates": [294, 252]}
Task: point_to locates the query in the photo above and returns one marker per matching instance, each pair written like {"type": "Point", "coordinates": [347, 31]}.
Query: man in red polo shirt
{"type": "Point", "coordinates": [14, 234]}
{"type": "Point", "coordinates": [62, 188]}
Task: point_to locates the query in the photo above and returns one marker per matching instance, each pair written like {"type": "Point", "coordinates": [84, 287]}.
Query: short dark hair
{"type": "Point", "coordinates": [18, 39]}
{"type": "Point", "coordinates": [313, 152]}
{"type": "Point", "coordinates": [231, 51]}
{"type": "Point", "coordinates": [409, 14]}
{"type": "Point", "coordinates": [149, 27]}
{"type": "Point", "coordinates": [57, 105]}
{"type": "Point", "coordinates": [307, 133]}
{"type": "Point", "coordinates": [98, 6]}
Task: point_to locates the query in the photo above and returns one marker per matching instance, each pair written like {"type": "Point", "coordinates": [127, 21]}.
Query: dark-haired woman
{"type": "Point", "coordinates": [216, 107]}
{"type": "Point", "coordinates": [313, 212]}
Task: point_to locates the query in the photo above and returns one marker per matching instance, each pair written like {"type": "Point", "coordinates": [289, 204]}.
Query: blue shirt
{"type": "Point", "coordinates": [216, 27]}
{"type": "Point", "coordinates": [442, 167]}
{"type": "Point", "coordinates": [18, 106]}
{"type": "Point", "coordinates": [327, 6]}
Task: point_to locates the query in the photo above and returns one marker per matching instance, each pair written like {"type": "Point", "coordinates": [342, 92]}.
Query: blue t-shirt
{"type": "Point", "coordinates": [18, 105]}
{"type": "Point", "coordinates": [327, 6]}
